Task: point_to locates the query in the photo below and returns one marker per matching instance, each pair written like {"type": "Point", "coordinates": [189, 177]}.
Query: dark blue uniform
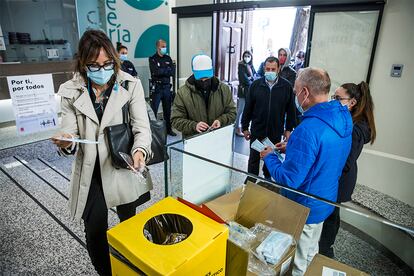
{"type": "Point", "coordinates": [161, 70]}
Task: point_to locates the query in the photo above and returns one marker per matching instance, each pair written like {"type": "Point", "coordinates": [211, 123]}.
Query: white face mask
{"type": "Point", "coordinates": [247, 59]}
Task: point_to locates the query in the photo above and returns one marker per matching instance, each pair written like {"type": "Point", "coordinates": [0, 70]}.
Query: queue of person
{"type": "Point", "coordinates": [320, 150]}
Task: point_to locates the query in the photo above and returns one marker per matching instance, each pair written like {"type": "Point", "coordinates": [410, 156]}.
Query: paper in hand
{"type": "Point", "coordinates": [76, 140]}
{"type": "Point", "coordinates": [257, 146]}
{"type": "Point", "coordinates": [268, 143]}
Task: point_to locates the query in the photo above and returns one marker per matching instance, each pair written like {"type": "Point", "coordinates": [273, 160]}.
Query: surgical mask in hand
{"type": "Point", "coordinates": [123, 57]}
{"type": "Point", "coordinates": [270, 76]}
{"type": "Point", "coordinates": [163, 51]}
{"type": "Point", "coordinates": [247, 59]}
{"type": "Point", "coordinates": [100, 77]}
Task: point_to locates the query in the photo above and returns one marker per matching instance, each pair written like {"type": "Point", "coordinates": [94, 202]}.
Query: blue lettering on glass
{"type": "Point", "coordinates": [108, 4]}
{"type": "Point", "coordinates": [115, 30]}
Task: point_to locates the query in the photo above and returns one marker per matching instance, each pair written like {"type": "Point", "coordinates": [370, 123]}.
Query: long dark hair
{"type": "Point", "coordinates": [364, 108]}
{"type": "Point", "coordinates": [119, 47]}
{"type": "Point", "coordinates": [89, 48]}
{"type": "Point", "coordinates": [250, 54]}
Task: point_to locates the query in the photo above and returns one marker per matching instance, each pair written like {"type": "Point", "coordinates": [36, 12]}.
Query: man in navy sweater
{"type": "Point", "coordinates": [315, 155]}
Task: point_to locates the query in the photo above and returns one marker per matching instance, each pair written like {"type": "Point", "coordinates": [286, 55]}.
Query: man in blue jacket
{"type": "Point", "coordinates": [315, 155]}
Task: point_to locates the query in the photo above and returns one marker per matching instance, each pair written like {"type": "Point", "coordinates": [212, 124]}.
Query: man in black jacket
{"type": "Point", "coordinates": [162, 69]}
{"type": "Point", "coordinates": [270, 107]}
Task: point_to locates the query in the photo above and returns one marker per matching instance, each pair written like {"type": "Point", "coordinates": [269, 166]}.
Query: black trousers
{"type": "Point", "coordinates": [95, 217]}
{"type": "Point", "coordinates": [163, 94]}
{"type": "Point", "coordinates": [329, 231]}
{"type": "Point", "coordinates": [253, 165]}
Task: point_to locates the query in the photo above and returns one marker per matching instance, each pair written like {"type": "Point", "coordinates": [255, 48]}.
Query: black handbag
{"type": "Point", "coordinates": [120, 139]}
{"type": "Point", "coordinates": [159, 138]}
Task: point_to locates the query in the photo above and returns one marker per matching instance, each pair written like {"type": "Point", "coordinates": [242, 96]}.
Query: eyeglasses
{"type": "Point", "coordinates": [96, 67]}
{"type": "Point", "coordinates": [339, 98]}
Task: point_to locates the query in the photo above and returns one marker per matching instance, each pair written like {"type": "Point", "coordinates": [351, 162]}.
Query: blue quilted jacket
{"type": "Point", "coordinates": [315, 156]}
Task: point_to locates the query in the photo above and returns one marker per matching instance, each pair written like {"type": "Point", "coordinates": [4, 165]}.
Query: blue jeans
{"type": "Point", "coordinates": [163, 94]}
{"type": "Point", "coordinates": [240, 108]}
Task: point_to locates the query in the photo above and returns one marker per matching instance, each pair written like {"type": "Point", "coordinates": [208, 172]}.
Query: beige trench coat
{"type": "Point", "coordinates": [79, 118]}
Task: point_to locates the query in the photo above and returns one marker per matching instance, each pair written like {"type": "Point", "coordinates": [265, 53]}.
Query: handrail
{"type": "Point", "coordinates": [278, 185]}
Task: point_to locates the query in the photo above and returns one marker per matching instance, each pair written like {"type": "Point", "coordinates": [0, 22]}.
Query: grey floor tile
{"type": "Point", "coordinates": [31, 243]}
{"type": "Point", "coordinates": [353, 251]}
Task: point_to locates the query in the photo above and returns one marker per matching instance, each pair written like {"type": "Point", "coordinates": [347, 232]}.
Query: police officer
{"type": "Point", "coordinates": [161, 67]}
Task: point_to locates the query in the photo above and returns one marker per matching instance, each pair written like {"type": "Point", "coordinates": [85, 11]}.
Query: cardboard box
{"type": "Point", "coordinates": [320, 261]}
{"type": "Point", "coordinates": [203, 252]}
{"type": "Point", "coordinates": [255, 204]}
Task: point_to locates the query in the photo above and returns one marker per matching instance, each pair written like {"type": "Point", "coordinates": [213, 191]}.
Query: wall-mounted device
{"type": "Point", "coordinates": [396, 70]}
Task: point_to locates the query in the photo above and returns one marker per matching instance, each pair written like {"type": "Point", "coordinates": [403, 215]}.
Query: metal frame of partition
{"type": "Point", "coordinates": [173, 147]}
{"type": "Point", "coordinates": [195, 9]}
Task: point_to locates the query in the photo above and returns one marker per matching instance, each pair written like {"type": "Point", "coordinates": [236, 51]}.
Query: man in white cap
{"type": "Point", "coordinates": [203, 102]}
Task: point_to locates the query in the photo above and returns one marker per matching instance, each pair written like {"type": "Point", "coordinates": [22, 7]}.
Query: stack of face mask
{"type": "Point", "coordinates": [269, 248]}
{"type": "Point", "coordinates": [274, 247]}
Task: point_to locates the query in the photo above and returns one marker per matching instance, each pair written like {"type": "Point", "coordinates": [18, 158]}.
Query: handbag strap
{"type": "Point", "coordinates": [125, 113]}
{"type": "Point", "coordinates": [125, 108]}
{"type": "Point", "coordinates": [150, 112]}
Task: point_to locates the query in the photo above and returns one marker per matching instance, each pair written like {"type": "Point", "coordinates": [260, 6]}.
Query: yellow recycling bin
{"type": "Point", "coordinates": [168, 238]}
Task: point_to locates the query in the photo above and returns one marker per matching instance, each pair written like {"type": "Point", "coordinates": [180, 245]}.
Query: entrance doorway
{"type": "Point", "coordinates": [261, 31]}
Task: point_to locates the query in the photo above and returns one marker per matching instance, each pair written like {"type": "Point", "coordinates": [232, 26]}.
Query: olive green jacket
{"type": "Point", "coordinates": [189, 107]}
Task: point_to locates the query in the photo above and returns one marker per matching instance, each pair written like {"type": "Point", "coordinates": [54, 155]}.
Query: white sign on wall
{"type": "Point", "coordinates": [34, 104]}
{"type": "Point", "coordinates": [52, 53]}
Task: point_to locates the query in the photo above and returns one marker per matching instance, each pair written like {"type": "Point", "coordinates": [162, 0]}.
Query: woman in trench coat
{"type": "Point", "coordinates": [91, 101]}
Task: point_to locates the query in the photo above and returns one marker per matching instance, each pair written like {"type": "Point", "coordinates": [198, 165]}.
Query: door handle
{"type": "Point", "coordinates": [231, 49]}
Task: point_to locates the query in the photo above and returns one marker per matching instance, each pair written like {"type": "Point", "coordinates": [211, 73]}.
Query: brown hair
{"type": "Point", "coordinates": [90, 45]}
{"type": "Point", "coordinates": [364, 108]}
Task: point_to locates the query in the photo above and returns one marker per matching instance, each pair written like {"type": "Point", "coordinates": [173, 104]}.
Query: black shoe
{"type": "Point", "coordinates": [171, 133]}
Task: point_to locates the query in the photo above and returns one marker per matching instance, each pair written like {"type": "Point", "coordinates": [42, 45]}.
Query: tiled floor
{"type": "Point", "coordinates": [37, 237]}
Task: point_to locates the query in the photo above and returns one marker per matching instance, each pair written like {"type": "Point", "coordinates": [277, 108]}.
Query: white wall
{"type": "Point", "coordinates": [388, 165]}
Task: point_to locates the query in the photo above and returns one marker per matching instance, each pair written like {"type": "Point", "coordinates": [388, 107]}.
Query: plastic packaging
{"type": "Point", "coordinates": [240, 235]}
{"type": "Point", "coordinates": [268, 249]}
{"type": "Point", "coordinates": [167, 229]}
{"type": "Point", "coordinates": [274, 247]}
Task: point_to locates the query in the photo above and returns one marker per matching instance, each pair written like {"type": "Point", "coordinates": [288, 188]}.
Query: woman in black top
{"type": "Point", "coordinates": [359, 101]}
{"type": "Point", "coordinates": [246, 73]}
{"type": "Point", "coordinates": [126, 65]}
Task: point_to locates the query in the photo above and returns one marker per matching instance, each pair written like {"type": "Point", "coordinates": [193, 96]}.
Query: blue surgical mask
{"type": "Point", "coordinates": [123, 57]}
{"type": "Point", "coordinates": [298, 105]}
{"type": "Point", "coordinates": [270, 76]}
{"type": "Point", "coordinates": [163, 51]}
{"type": "Point", "coordinates": [100, 77]}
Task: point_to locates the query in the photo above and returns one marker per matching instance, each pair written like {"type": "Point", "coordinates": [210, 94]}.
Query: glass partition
{"type": "Point", "coordinates": [365, 241]}
{"type": "Point", "coordinates": [194, 37]}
